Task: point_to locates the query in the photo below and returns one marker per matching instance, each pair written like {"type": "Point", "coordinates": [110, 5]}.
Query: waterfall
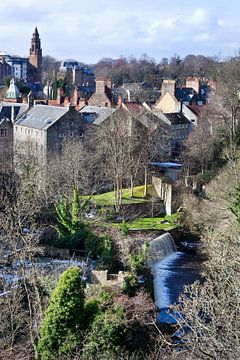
{"type": "Point", "coordinates": [161, 247]}
{"type": "Point", "coordinates": [161, 253]}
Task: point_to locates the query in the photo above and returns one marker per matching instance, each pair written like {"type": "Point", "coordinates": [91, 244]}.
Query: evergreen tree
{"type": "Point", "coordinates": [70, 215]}
{"type": "Point", "coordinates": [60, 331]}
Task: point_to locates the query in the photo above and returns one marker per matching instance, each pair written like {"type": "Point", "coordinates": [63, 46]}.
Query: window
{"type": "Point", "coordinates": [3, 133]}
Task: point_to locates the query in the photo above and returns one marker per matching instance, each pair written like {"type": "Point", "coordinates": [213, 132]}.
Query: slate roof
{"type": "Point", "coordinates": [162, 117]}
{"type": "Point", "coordinates": [5, 120]}
{"type": "Point", "coordinates": [42, 116]}
{"type": "Point", "coordinates": [96, 114]}
{"type": "Point", "coordinates": [189, 95]}
{"type": "Point", "coordinates": [6, 109]}
{"type": "Point", "coordinates": [185, 94]}
{"type": "Point", "coordinates": [177, 118]}
{"type": "Point", "coordinates": [148, 118]}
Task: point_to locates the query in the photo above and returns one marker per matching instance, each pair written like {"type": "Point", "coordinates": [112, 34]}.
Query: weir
{"type": "Point", "coordinates": [162, 252]}
{"type": "Point", "coordinates": [160, 248]}
{"type": "Point", "coordinates": [170, 270]}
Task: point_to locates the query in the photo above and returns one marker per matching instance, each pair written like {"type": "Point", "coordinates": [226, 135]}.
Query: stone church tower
{"type": "Point", "coordinates": [35, 58]}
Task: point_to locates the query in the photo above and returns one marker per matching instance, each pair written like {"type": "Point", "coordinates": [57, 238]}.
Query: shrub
{"type": "Point", "coordinates": [137, 261]}
{"type": "Point", "coordinates": [124, 228]}
{"type": "Point", "coordinates": [93, 245]}
{"type": "Point", "coordinates": [130, 284]}
{"type": "Point", "coordinates": [60, 330]}
{"type": "Point", "coordinates": [106, 333]}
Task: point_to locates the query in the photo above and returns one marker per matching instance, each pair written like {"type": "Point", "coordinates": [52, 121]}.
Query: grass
{"type": "Point", "coordinates": [108, 199]}
{"type": "Point", "coordinates": [166, 223]}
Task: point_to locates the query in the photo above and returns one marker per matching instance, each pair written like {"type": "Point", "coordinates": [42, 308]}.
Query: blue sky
{"type": "Point", "coordinates": [91, 30]}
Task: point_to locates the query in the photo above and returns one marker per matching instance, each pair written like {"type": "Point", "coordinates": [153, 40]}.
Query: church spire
{"type": "Point", "coordinates": [36, 31]}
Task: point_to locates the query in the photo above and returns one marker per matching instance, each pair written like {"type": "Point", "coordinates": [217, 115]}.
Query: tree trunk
{"type": "Point", "coordinates": [145, 181]}
{"type": "Point", "coordinates": [131, 184]}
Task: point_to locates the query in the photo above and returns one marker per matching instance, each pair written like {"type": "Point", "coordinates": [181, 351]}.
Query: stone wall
{"type": "Point", "coordinates": [70, 126]}
{"type": "Point", "coordinates": [29, 144]}
{"type": "Point", "coordinates": [102, 277]}
{"type": "Point", "coordinates": [6, 144]}
{"type": "Point", "coordinates": [55, 252]}
{"type": "Point", "coordinates": [164, 191]}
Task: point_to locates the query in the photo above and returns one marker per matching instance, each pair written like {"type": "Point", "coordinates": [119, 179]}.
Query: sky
{"type": "Point", "coordinates": [91, 30]}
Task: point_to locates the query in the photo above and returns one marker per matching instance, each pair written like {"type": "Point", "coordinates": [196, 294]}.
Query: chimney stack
{"type": "Point", "coordinates": [120, 101]}
{"type": "Point", "coordinates": [59, 96]}
{"type": "Point", "coordinates": [100, 85]}
{"type": "Point", "coordinates": [194, 83]}
{"type": "Point", "coordinates": [168, 86]}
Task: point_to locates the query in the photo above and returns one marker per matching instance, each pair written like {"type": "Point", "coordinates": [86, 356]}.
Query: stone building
{"type": "Point", "coordinates": [103, 95]}
{"type": "Point", "coordinates": [8, 114]}
{"type": "Point", "coordinates": [19, 67]}
{"type": "Point", "coordinates": [76, 74]}
{"type": "Point", "coordinates": [44, 129]}
{"type": "Point", "coordinates": [25, 69]}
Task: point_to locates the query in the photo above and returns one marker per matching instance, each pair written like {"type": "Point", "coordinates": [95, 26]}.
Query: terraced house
{"type": "Point", "coordinates": [8, 114]}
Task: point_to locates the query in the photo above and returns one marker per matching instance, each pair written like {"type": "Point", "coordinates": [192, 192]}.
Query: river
{"type": "Point", "coordinates": [172, 271]}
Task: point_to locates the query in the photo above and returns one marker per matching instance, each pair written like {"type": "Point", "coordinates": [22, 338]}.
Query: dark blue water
{"type": "Point", "coordinates": [171, 275]}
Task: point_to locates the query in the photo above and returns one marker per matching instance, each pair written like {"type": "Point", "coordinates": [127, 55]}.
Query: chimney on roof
{"type": "Point", "coordinates": [212, 84]}
{"type": "Point", "coordinates": [59, 96]}
{"type": "Point", "coordinates": [66, 101]}
{"type": "Point", "coordinates": [194, 83]}
{"type": "Point", "coordinates": [71, 107]}
{"type": "Point", "coordinates": [100, 85]}
{"type": "Point", "coordinates": [168, 86]}
{"type": "Point", "coordinates": [181, 107]}
{"type": "Point", "coordinates": [120, 101]}
{"type": "Point", "coordinates": [76, 96]}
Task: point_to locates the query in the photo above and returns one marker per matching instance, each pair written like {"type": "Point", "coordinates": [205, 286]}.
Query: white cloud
{"type": "Point", "coordinates": [221, 22]}
{"type": "Point", "coordinates": [111, 28]}
{"type": "Point", "coordinates": [198, 17]}
{"type": "Point", "coordinates": [204, 37]}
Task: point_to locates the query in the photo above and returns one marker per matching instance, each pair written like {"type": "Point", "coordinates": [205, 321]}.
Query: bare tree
{"type": "Point", "coordinates": [114, 151]}
{"type": "Point", "coordinates": [69, 170]}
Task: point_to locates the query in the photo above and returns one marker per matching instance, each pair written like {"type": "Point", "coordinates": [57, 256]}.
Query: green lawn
{"type": "Point", "coordinates": [167, 223]}
{"type": "Point", "coordinates": [108, 199]}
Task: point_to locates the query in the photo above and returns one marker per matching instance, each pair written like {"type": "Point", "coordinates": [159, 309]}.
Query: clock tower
{"type": "Point", "coordinates": [35, 58]}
